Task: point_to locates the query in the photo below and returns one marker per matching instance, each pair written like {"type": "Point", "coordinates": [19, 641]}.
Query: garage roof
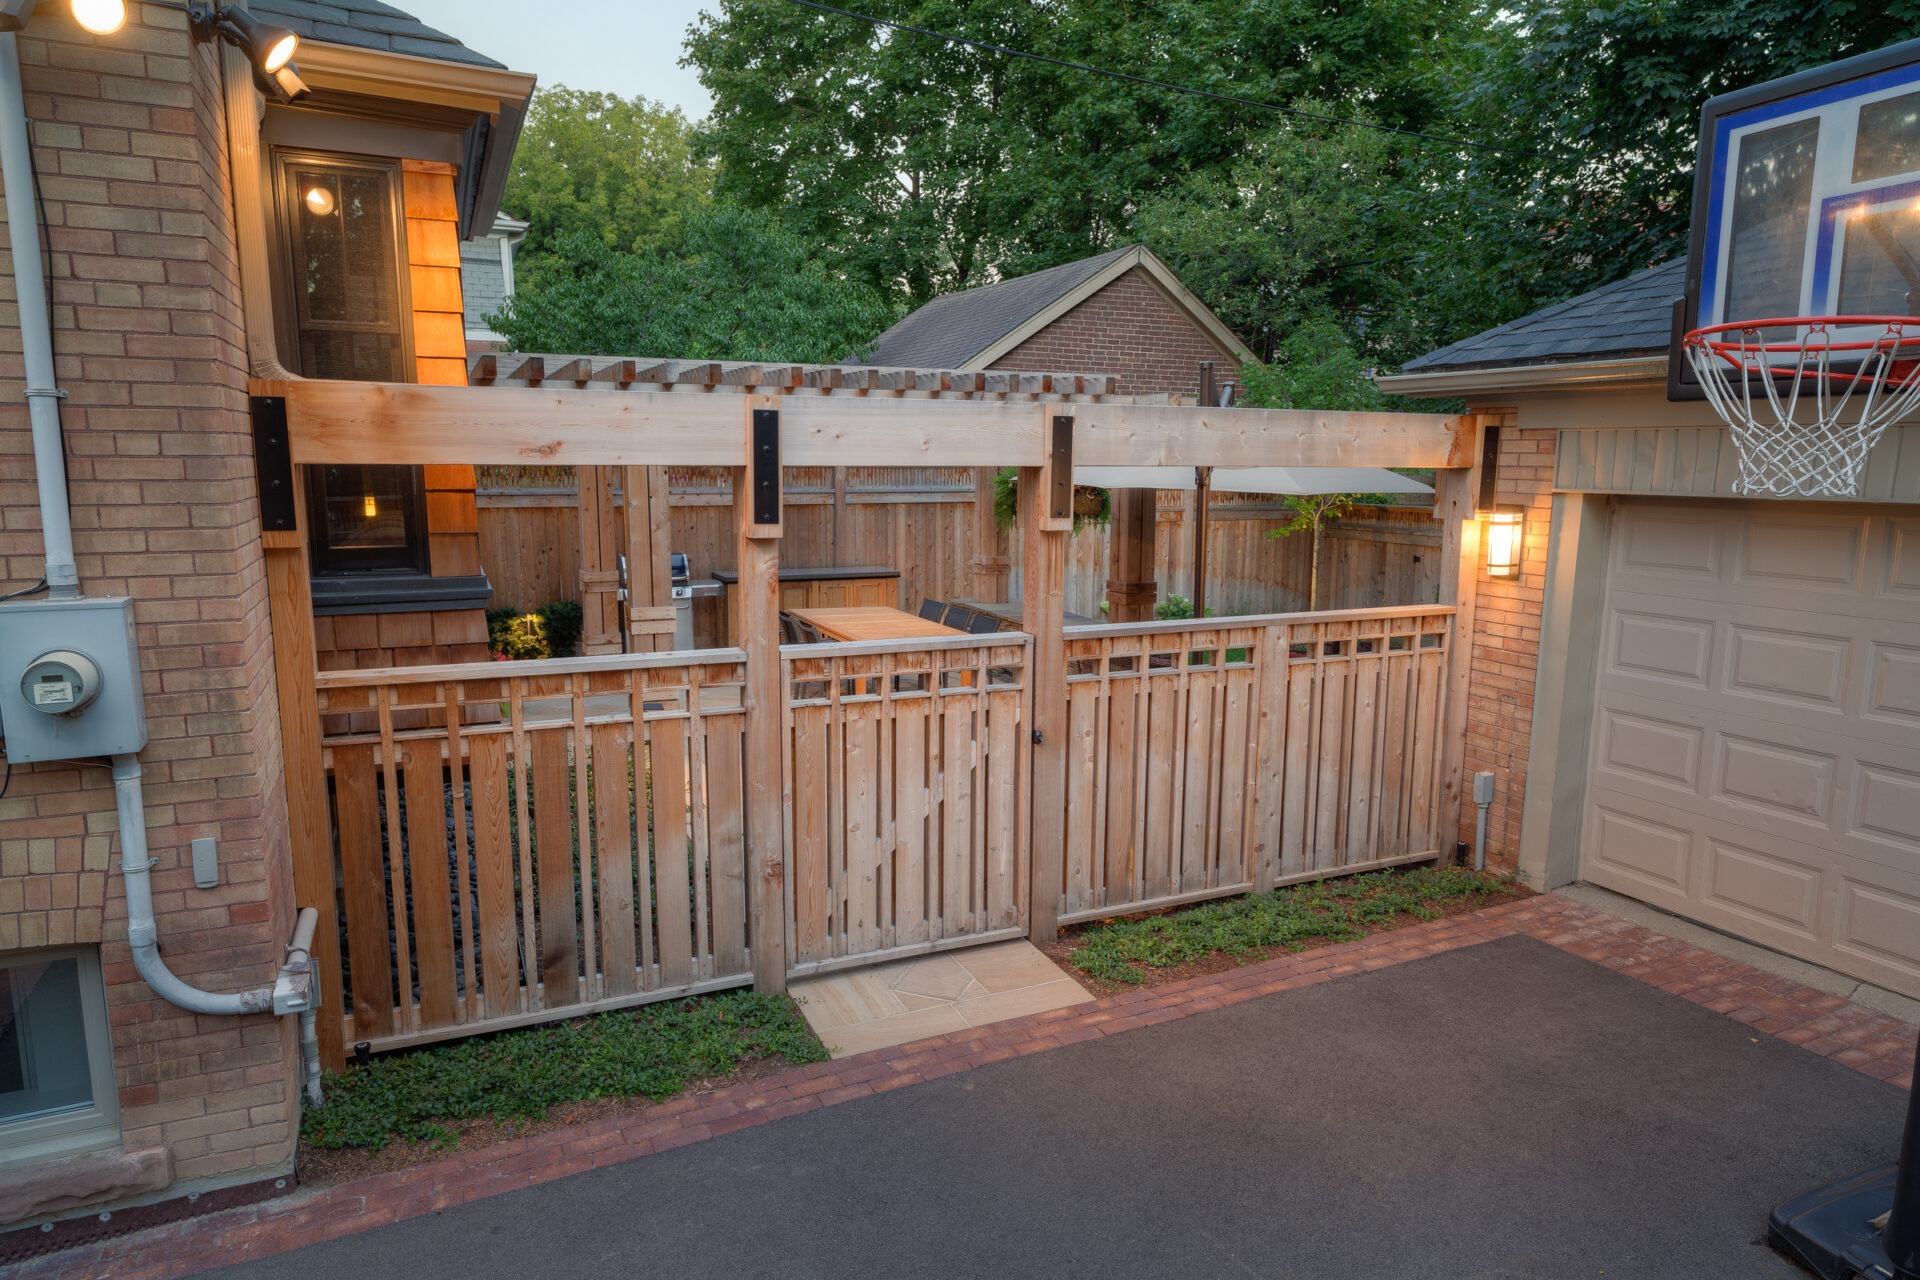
{"type": "Point", "coordinates": [1631, 317]}
{"type": "Point", "coordinates": [368, 24]}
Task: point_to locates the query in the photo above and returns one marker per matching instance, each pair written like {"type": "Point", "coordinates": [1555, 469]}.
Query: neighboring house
{"type": "Point", "coordinates": [1716, 698]}
{"type": "Point", "coordinates": [1124, 312]}
{"type": "Point", "coordinates": [486, 279]}
{"type": "Point", "coordinates": [196, 239]}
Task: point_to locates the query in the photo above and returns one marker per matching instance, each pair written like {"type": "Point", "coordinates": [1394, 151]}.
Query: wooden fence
{"type": "Point", "coordinates": [518, 842]}
{"type": "Point", "coordinates": [1209, 759]}
{"type": "Point", "coordinates": [921, 522]}
{"type": "Point", "coordinates": [904, 768]}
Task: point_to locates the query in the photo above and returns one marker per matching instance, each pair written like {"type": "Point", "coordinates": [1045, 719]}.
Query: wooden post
{"type": "Point", "coordinates": [290, 608]}
{"type": "Point", "coordinates": [1454, 496]}
{"type": "Point", "coordinates": [1131, 590]}
{"type": "Point", "coordinates": [1043, 609]}
{"type": "Point", "coordinates": [990, 564]}
{"type": "Point", "coordinates": [757, 621]}
{"type": "Point", "coordinates": [1202, 511]}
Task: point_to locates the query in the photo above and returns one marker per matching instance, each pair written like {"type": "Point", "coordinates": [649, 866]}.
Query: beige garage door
{"type": "Point", "coordinates": [1756, 751]}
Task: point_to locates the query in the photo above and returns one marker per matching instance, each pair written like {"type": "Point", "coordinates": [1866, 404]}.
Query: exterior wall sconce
{"type": "Point", "coordinates": [1506, 535]}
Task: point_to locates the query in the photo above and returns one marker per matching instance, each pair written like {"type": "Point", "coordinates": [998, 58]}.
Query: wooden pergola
{"type": "Point", "coordinates": [611, 413]}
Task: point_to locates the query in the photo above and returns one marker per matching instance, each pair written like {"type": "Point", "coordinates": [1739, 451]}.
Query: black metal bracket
{"type": "Point", "coordinates": [1485, 500]}
{"type": "Point", "coordinates": [273, 464]}
{"type": "Point", "coordinates": [1060, 456]}
{"type": "Point", "coordinates": [764, 477]}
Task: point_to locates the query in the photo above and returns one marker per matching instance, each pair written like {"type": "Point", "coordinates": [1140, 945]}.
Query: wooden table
{"type": "Point", "coordinates": [872, 622]}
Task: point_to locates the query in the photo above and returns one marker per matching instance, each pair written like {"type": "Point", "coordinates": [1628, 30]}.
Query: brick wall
{"type": "Point", "coordinates": [130, 148]}
{"type": "Point", "coordinates": [1128, 329]}
{"type": "Point", "coordinates": [1506, 644]}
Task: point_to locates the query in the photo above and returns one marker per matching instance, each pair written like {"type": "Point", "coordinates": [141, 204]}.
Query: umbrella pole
{"type": "Point", "coordinates": [1202, 499]}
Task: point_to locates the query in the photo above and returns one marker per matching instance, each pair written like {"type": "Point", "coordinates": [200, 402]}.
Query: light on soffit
{"type": "Point", "coordinates": [319, 201]}
{"type": "Point", "coordinates": [101, 17]}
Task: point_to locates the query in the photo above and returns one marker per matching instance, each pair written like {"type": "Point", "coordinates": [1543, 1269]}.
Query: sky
{"type": "Point", "coordinates": [626, 47]}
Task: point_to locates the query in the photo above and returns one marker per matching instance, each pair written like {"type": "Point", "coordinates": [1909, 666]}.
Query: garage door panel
{"type": "Point", "coordinates": [1776, 891]}
{"type": "Point", "coordinates": [1879, 929]}
{"type": "Point", "coordinates": [1628, 847]}
{"type": "Point", "coordinates": [1666, 647]}
{"type": "Point", "coordinates": [1771, 664]}
{"type": "Point", "coordinates": [1756, 754]}
{"type": "Point", "coordinates": [1774, 780]}
{"type": "Point", "coordinates": [1792, 552]}
{"type": "Point", "coordinates": [1658, 750]}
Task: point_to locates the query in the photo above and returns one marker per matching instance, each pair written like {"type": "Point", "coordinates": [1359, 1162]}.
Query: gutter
{"type": "Point", "coordinates": [1580, 375]}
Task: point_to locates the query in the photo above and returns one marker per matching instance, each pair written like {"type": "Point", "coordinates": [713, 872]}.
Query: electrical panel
{"type": "Point", "coordinates": [70, 679]}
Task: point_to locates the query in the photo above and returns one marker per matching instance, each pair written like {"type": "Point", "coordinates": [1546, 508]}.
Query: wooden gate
{"type": "Point", "coordinates": [905, 769]}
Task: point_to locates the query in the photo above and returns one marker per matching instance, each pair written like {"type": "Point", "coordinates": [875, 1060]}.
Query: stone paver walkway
{"type": "Point", "coordinates": [908, 1000]}
{"type": "Point", "coordinates": [1870, 1042]}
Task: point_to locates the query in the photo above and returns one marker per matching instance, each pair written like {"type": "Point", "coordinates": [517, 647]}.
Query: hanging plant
{"type": "Point", "coordinates": [1092, 507]}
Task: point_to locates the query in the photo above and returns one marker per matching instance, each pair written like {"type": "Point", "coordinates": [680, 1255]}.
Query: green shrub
{"type": "Point", "coordinates": [564, 620]}
{"type": "Point", "coordinates": [515, 635]}
{"type": "Point", "coordinates": [651, 1052]}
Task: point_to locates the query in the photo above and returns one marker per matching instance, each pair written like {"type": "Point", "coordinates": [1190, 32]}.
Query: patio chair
{"type": "Point", "coordinates": [982, 624]}
{"type": "Point", "coordinates": [960, 619]}
{"type": "Point", "coordinates": [933, 610]}
{"type": "Point", "coordinates": [790, 630]}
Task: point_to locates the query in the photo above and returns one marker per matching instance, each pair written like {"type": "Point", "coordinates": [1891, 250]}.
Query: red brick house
{"type": "Point", "coordinates": [198, 234]}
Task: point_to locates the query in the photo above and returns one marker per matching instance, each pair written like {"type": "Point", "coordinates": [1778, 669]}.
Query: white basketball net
{"type": "Point", "coordinates": [1806, 410]}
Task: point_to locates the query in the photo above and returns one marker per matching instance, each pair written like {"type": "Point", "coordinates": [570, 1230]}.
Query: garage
{"type": "Point", "coordinates": [1755, 753]}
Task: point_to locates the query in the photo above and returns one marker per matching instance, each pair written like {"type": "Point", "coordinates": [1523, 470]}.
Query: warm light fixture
{"type": "Point", "coordinates": [269, 48]}
{"type": "Point", "coordinates": [102, 17]}
{"type": "Point", "coordinates": [319, 201]}
{"type": "Point", "coordinates": [369, 507]}
{"type": "Point", "coordinates": [1506, 527]}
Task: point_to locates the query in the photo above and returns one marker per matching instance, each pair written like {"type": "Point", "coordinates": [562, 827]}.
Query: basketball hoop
{"type": "Point", "coordinates": [1806, 398]}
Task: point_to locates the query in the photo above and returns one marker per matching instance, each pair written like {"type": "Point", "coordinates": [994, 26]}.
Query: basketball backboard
{"type": "Point", "coordinates": [1807, 199]}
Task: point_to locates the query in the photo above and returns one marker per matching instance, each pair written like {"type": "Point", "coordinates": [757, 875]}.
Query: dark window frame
{"type": "Point", "coordinates": [414, 555]}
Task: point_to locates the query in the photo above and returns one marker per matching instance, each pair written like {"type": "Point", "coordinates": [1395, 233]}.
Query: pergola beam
{"type": "Point", "coordinates": [365, 422]}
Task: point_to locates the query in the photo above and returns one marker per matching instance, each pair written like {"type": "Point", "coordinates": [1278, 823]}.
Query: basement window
{"type": "Point", "coordinates": [57, 1093]}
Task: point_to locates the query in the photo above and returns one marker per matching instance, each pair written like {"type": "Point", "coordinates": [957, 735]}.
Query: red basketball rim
{"type": "Point", "coordinates": [1897, 334]}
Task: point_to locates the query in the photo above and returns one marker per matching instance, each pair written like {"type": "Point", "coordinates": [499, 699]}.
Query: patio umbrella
{"type": "Point", "coordinates": [1289, 481]}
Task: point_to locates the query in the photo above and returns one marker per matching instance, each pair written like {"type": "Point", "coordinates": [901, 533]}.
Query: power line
{"type": "Point", "coordinates": [990, 47]}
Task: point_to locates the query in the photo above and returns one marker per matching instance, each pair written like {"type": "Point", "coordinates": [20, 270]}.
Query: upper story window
{"type": "Point", "coordinates": [348, 317]}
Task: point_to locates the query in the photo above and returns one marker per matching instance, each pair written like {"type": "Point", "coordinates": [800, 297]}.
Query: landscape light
{"type": "Point", "coordinates": [102, 17]}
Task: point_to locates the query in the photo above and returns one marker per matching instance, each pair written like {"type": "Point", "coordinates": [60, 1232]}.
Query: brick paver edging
{"type": "Point", "coordinates": [1870, 1042]}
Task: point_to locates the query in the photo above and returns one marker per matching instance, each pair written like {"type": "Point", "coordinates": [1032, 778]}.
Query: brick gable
{"type": "Point", "coordinates": [1128, 329]}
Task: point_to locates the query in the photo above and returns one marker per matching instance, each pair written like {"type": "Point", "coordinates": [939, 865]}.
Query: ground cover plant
{"type": "Point", "coordinates": [1294, 917]}
{"type": "Point", "coordinates": [652, 1052]}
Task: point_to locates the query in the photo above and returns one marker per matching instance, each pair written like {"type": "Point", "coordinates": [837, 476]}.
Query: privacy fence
{"type": "Point", "coordinates": [522, 842]}
{"type": "Point", "coordinates": [921, 521]}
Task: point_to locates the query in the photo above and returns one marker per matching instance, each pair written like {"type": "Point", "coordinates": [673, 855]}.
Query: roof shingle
{"type": "Point", "coordinates": [367, 24]}
{"type": "Point", "coordinates": [954, 327]}
{"type": "Point", "coordinates": [1627, 318]}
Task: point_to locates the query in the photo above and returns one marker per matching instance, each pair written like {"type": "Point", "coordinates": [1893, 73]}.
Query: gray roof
{"type": "Point", "coordinates": [367, 24]}
{"type": "Point", "coordinates": [1627, 318]}
{"type": "Point", "coordinates": [955, 327]}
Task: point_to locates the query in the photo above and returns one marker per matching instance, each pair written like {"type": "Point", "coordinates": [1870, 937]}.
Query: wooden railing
{"type": "Point", "coordinates": [516, 842]}
{"type": "Point", "coordinates": [905, 769]}
{"type": "Point", "coordinates": [1217, 757]}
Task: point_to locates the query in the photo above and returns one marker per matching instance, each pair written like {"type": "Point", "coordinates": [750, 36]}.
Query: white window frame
{"type": "Point", "coordinates": [88, 1129]}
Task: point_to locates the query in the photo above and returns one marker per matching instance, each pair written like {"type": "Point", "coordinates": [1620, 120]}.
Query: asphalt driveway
{"type": "Point", "coordinates": [1505, 1110]}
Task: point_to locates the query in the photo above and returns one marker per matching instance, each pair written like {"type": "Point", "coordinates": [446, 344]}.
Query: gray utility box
{"type": "Point", "coordinates": [70, 679]}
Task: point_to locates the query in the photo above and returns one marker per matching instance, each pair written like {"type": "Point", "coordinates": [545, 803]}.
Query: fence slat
{"type": "Point", "coordinates": [426, 800]}
{"type": "Point", "coordinates": [726, 843]}
{"type": "Point", "coordinates": [613, 838]}
{"type": "Point", "coordinates": [501, 979]}
{"type": "Point", "coordinates": [553, 869]}
{"type": "Point", "coordinates": [363, 875]}
{"type": "Point", "coordinates": [672, 847]}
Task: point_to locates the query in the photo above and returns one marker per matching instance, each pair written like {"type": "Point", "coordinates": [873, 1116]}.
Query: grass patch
{"type": "Point", "coordinates": [1293, 917]}
{"type": "Point", "coordinates": [654, 1052]}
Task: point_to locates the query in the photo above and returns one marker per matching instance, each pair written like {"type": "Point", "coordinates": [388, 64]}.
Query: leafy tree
{"type": "Point", "coordinates": [1313, 367]}
{"type": "Point", "coordinates": [727, 284]}
{"type": "Point", "coordinates": [623, 170]}
{"type": "Point", "coordinates": [931, 165]}
{"type": "Point", "coordinates": [1311, 512]}
{"type": "Point", "coordinates": [1609, 92]}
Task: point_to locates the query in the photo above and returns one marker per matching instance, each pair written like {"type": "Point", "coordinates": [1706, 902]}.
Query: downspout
{"type": "Point", "coordinates": [36, 332]}
{"type": "Point", "coordinates": [293, 990]}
